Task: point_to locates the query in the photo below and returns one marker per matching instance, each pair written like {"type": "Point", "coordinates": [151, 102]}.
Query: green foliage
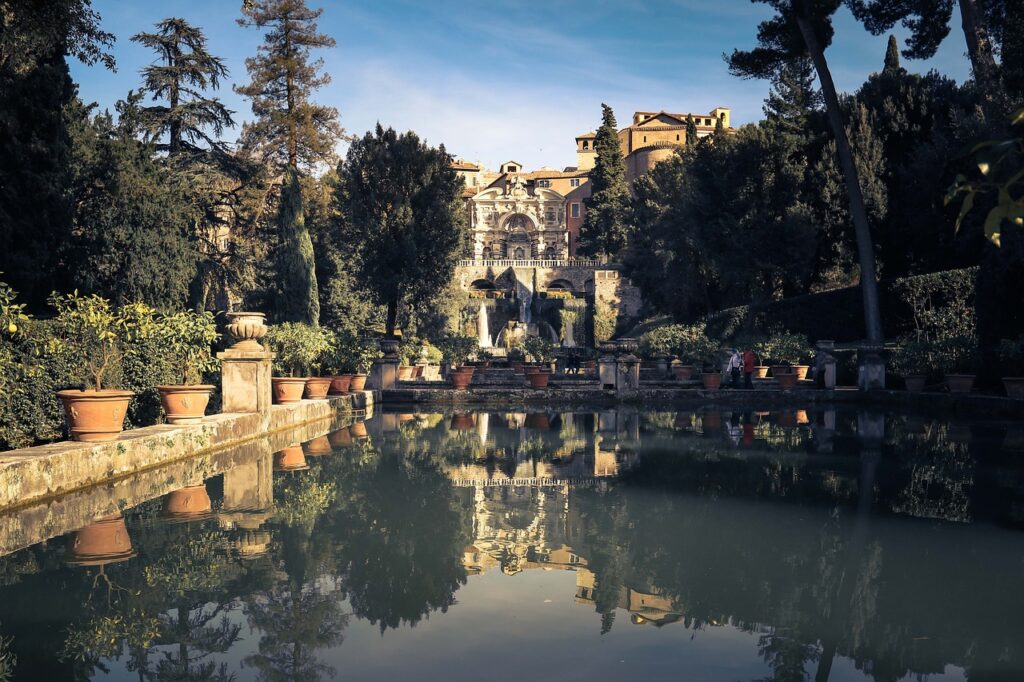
{"type": "Point", "coordinates": [348, 353]}
{"type": "Point", "coordinates": [456, 348]}
{"type": "Point", "coordinates": [782, 348]}
{"type": "Point", "coordinates": [402, 218]}
{"type": "Point", "coordinates": [297, 297]}
{"type": "Point", "coordinates": [300, 348]}
{"type": "Point", "coordinates": [539, 349]}
{"type": "Point", "coordinates": [605, 322]}
{"type": "Point", "coordinates": [88, 328]}
{"type": "Point", "coordinates": [288, 127]}
{"type": "Point", "coordinates": [605, 230]}
{"type": "Point", "coordinates": [665, 340]}
{"type": "Point", "coordinates": [189, 337]}
{"type": "Point", "coordinates": [1000, 166]}
{"type": "Point", "coordinates": [516, 354]}
{"type": "Point", "coordinates": [1011, 356]}
{"type": "Point", "coordinates": [133, 237]}
{"type": "Point", "coordinates": [911, 357]}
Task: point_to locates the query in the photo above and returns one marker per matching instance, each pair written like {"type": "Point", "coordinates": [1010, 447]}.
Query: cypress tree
{"type": "Point", "coordinates": [892, 56]}
{"type": "Point", "coordinates": [298, 299]}
{"type": "Point", "coordinates": [289, 128]}
{"type": "Point", "coordinates": [185, 71]}
{"type": "Point", "coordinates": [719, 127]}
{"type": "Point", "coordinates": [605, 228]}
{"type": "Point", "coordinates": [691, 131]}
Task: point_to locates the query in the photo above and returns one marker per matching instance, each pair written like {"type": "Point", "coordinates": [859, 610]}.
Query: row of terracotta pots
{"type": "Point", "coordinates": [98, 416]}
{"type": "Point", "coordinates": [293, 389]}
{"type": "Point", "coordinates": [964, 383]}
{"type": "Point", "coordinates": [410, 372]}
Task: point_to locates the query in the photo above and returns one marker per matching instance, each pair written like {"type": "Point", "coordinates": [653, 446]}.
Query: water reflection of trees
{"type": "Point", "coordinates": [377, 531]}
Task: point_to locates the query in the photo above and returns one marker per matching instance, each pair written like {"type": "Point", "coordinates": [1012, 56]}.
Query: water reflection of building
{"type": "Point", "coordinates": [643, 606]}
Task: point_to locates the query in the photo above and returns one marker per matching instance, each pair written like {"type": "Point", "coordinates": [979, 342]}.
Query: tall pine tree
{"type": "Point", "coordinates": [289, 129]}
{"type": "Point", "coordinates": [605, 230]}
{"type": "Point", "coordinates": [185, 70]}
{"type": "Point", "coordinates": [691, 131]}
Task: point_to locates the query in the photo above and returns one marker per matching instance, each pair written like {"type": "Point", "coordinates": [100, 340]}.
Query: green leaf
{"type": "Point", "coordinates": [965, 209]}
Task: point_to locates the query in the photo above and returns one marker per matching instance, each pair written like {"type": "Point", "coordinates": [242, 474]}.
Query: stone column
{"type": "Point", "coordinates": [628, 372]}
{"type": "Point", "coordinates": [870, 367]}
{"type": "Point", "coordinates": [826, 365]}
{"type": "Point", "coordinates": [246, 366]}
{"type": "Point", "coordinates": [384, 373]}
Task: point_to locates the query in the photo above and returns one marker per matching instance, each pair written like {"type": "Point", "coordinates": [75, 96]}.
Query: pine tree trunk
{"type": "Point", "coordinates": [865, 246]}
{"type": "Point", "coordinates": [979, 48]}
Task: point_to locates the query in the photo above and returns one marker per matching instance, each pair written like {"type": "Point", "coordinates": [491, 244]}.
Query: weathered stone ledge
{"type": "Point", "coordinates": [967, 404]}
{"type": "Point", "coordinates": [33, 474]}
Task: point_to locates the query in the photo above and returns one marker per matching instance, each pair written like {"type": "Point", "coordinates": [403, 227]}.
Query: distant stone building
{"type": "Point", "coordinates": [525, 226]}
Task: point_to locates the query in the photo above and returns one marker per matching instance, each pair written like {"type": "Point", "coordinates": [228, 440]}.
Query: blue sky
{"type": "Point", "coordinates": [496, 80]}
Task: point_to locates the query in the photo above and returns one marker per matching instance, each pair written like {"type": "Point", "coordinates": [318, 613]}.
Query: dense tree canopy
{"type": "Point", "coordinates": [402, 217]}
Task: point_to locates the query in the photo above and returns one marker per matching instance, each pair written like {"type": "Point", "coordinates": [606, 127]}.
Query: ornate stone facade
{"type": "Point", "coordinates": [515, 221]}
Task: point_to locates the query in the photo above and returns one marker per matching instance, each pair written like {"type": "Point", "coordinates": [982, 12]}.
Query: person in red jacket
{"type": "Point", "coordinates": [749, 360]}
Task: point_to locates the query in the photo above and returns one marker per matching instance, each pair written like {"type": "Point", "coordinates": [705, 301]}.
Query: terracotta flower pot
{"type": "Point", "coordinates": [787, 382]}
{"type": "Point", "coordinates": [683, 372]}
{"type": "Point", "coordinates": [530, 369]}
{"type": "Point", "coordinates": [185, 404]}
{"type": "Point", "coordinates": [1014, 387]}
{"type": "Point", "coordinates": [318, 447]}
{"type": "Point", "coordinates": [340, 438]}
{"type": "Point", "coordinates": [711, 380]}
{"type": "Point", "coordinates": [191, 501]}
{"type": "Point", "coordinates": [538, 379]}
{"type": "Point", "coordinates": [801, 371]}
{"type": "Point", "coordinates": [340, 384]}
{"type": "Point", "coordinates": [462, 422]}
{"type": "Point", "coordinates": [760, 371]}
{"type": "Point", "coordinates": [915, 383]}
{"type": "Point", "coordinates": [537, 420]}
{"type": "Point", "coordinates": [417, 372]}
{"type": "Point", "coordinates": [711, 421]}
{"type": "Point", "coordinates": [95, 416]}
{"type": "Point", "coordinates": [786, 419]}
{"type": "Point", "coordinates": [104, 541]}
{"type": "Point", "coordinates": [405, 372]}
{"type": "Point", "coordinates": [292, 458]}
{"type": "Point", "coordinates": [288, 389]}
{"type": "Point", "coordinates": [517, 367]}
{"type": "Point", "coordinates": [960, 383]}
{"type": "Point", "coordinates": [317, 387]}
{"type": "Point", "coordinates": [460, 379]}
{"type": "Point", "coordinates": [359, 430]}
{"type": "Point", "coordinates": [358, 382]}
{"type": "Point", "coordinates": [802, 417]}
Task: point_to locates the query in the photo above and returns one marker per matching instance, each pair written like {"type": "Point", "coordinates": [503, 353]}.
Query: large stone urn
{"type": "Point", "coordinates": [247, 328]}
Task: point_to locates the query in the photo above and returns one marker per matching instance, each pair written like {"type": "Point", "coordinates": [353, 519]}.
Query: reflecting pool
{"type": "Point", "coordinates": [504, 544]}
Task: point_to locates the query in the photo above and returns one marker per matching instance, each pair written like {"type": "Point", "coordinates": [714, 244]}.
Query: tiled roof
{"type": "Point", "coordinates": [464, 165]}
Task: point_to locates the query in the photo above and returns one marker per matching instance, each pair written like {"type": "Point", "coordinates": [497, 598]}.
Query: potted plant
{"type": "Point", "coordinates": [298, 347]}
{"type": "Point", "coordinates": [957, 355]}
{"type": "Point", "coordinates": [365, 351]}
{"type": "Point", "coordinates": [540, 351]}
{"type": "Point", "coordinates": [711, 377]}
{"type": "Point", "coordinates": [516, 358]}
{"type": "Point", "coordinates": [1011, 356]}
{"type": "Point", "coordinates": [456, 349]}
{"type": "Point", "coordinates": [88, 326]}
{"type": "Point", "coordinates": [408, 352]}
{"type": "Point", "coordinates": [912, 361]}
{"type": "Point", "coordinates": [189, 337]}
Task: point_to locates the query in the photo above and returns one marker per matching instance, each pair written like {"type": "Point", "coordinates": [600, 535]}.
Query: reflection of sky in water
{"type": "Point", "coordinates": [622, 544]}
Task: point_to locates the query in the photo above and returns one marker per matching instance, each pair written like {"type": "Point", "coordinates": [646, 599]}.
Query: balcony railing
{"type": "Point", "coordinates": [529, 263]}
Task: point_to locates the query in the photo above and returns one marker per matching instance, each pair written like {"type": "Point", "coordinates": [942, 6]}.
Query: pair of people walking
{"type": "Point", "coordinates": [741, 364]}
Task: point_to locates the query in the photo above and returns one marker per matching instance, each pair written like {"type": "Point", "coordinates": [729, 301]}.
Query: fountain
{"type": "Point", "coordinates": [483, 333]}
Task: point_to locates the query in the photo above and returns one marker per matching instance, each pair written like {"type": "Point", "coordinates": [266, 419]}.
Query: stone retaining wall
{"type": "Point", "coordinates": [32, 474]}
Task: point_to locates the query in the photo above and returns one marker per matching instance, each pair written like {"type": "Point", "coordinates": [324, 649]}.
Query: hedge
{"type": "Point", "coordinates": [907, 304]}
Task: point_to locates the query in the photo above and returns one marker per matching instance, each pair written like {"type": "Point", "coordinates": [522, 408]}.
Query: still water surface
{"type": "Point", "coordinates": [587, 545]}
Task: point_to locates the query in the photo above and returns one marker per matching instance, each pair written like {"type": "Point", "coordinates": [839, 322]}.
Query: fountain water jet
{"type": "Point", "coordinates": [482, 330]}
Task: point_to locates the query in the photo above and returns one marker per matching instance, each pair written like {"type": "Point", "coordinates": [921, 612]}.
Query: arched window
{"type": "Point", "coordinates": [520, 253]}
{"type": "Point", "coordinates": [487, 252]}
{"type": "Point", "coordinates": [549, 253]}
{"type": "Point", "coordinates": [586, 145]}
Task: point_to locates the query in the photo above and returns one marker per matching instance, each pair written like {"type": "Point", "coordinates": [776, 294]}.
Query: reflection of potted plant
{"type": "Point", "coordinates": [103, 541]}
{"type": "Point", "coordinates": [1011, 356]}
{"type": "Point", "coordinates": [190, 502]}
{"type": "Point", "coordinates": [911, 361]}
{"type": "Point", "coordinates": [292, 458]}
{"type": "Point", "coordinates": [88, 326]}
{"type": "Point", "coordinates": [298, 347]}
{"type": "Point", "coordinates": [189, 337]}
